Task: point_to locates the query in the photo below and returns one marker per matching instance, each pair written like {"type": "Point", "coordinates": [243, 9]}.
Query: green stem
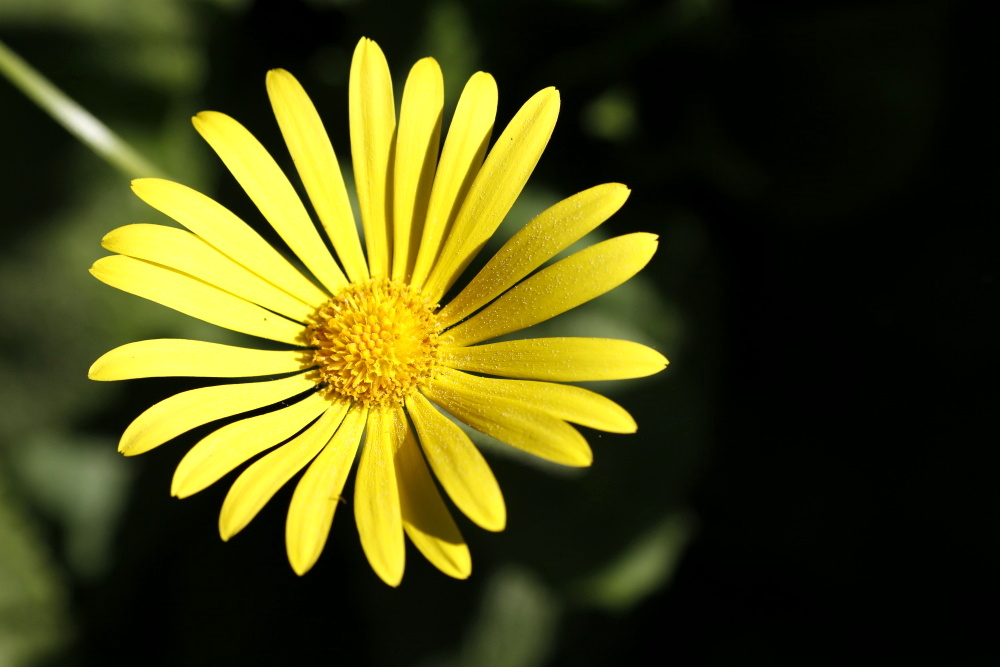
{"type": "Point", "coordinates": [80, 122]}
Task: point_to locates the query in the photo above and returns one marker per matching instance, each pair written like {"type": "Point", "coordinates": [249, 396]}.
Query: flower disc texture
{"type": "Point", "coordinates": [371, 361]}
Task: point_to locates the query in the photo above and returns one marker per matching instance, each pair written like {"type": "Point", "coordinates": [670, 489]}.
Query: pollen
{"type": "Point", "coordinates": [375, 342]}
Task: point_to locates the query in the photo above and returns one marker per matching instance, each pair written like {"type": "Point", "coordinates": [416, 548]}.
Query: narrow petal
{"type": "Point", "coordinates": [222, 451]}
{"type": "Point", "coordinates": [573, 404]}
{"type": "Point", "coordinates": [174, 357]}
{"type": "Point", "coordinates": [514, 422]}
{"type": "Point", "coordinates": [183, 251]}
{"type": "Point", "coordinates": [222, 229]}
{"type": "Point", "coordinates": [557, 359]}
{"type": "Point", "coordinates": [560, 287]}
{"type": "Point", "coordinates": [182, 412]}
{"type": "Point", "coordinates": [425, 518]}
{"type": "Point", "coordinates": [376, 495]}
{"type": "Point", "coordinates": [458, 465]}
{"type": "Point", "coordinates": [417, 143]}
{"type": "Point", "coordinates": [310, 147]}
{"type": "Point", "coordinates": [497, 185]}
{"type": "Point", "coordinates": [373, 124]}
{"type": "Point", "coordinates": [317, 494]}
{"type": "Point", "coordinates": [462, 155]}
{"type": "Point", "coordinates": [269, 188]}
{"type": "Point", "coordinates": [195, 298]}
{"type": "Point", "coordinates": [258, 483]}
{"type": "Point", "coordinates": [540, 240]}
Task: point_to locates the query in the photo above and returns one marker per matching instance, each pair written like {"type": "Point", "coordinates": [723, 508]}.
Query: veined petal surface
{"type": "Point", "coordinates": [557, 359]}
{"type": "Point", "coordinates": [560, 287]}
{"type": "Point", "coordinates": [458, 465]}
{"type": "Point", "coordinates": [222, 451]}
{"type": "Point", "coordinates": [376, 495]}
{"type": "Point", "coordinates": [175, 357]}
{"type": "Point", "coordinates": [317, 494]}
{"type": "Point", "coordinates": [573, 404]}
{"type": "Point", "coordinates": [462, 155]}
{"type": "Point", "coordinates": [182, 412]}
{"type": "Point", "coordinates": [499, 182]}
{"type": "Point", "coordinates": [195, 298]}
{"type": "Point", "coordinates": [540, 240]}
{"type": "Point", "coordinates": [258, 483]}
{"type": "Point", "coordinates": [514, 422]}
{"type": "Point", "coordinates": [183, 251]}
{"type": "Point", "coordinates": [222, 229]}
{"type": "Point", "coordinates": [426, 520]}
{"type": "Point", "coordinates": [270, 190]}
{"type": "Point", "coordinates": [417, 141]}
{"type": "Point", "coordinates": [373, 124]}
{"type": "Point", "coordinates": [316, 162]}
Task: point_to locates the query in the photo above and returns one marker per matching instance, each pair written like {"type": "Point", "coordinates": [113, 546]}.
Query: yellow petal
{"type": "Point", "coordinates": [560, 287]}
{"type": "Point", "coordinates": [417, 143]}
{"type": "Point", "coordinates": [499, 182]}
{"type": "Point", "coordinates": [195, 298]}
{"type": "Point", "coordinates": [514, 422]}
{"type": "Point", "coordinates": [173, 357]}
{"type": "Point", "coordinates": [269, 188]}
{"type": "Point", "coordinates": [182, 412]}
{"type": "Point", "coordinates": [376, 495]}
{"type": "Point", "coordinates": [219, 227]}
{"type": "Point", "coordinates": [458, 465]}
{"type": "Point", "coordinates": [183, 251]}
{"type": "Point", "coordinates": [317, 494]}
{"type": "Point", "coordinates": [557, 359]}
{"type": "Point", "coordinates": [573, 404]}
{"type": "Point", "coordinates": [373, 123]}
{"type": "Point", "coordinates": [258, 483]}
{"type": "Point", "coordinates": [425, 518]}
{"type": "Point", "coordinates": [462, 155]}
{"type": "Point", "coordinates": [540, 240]}
{"type": "Point", "coordinates": [317, 165]}
{"type": "Point", "coordinates": [224, 450]}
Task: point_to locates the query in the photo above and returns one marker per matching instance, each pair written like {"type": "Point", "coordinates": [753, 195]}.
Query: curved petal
{"type": "Point", "coordinates": [310, 147]}
{"type": "Point", "coordinates": [183, 251]}
{"type": "Point", "coordinates": [272, 193]}
{"type": "Point", "coordinates": [258, 483]}
{"type": "Point", "coordinates": [497, 185]}
{"type": "Point", "coordinates": [462, 155]}
{"type": "Point", "coordinates": [175, 357]}
{"type": "Point", "coordinates": [182, 412]}
{"type": "Point", "coordinates": [425, 518]}
{"type": "Point", "coordinates": [317, 494]}
{"type": "Point", "coordinates": [223, 230]}
{"type": "Point", "coordinates": [572, 404]}
{"type": "Point", "coordinates": [548, 234]}
{"type": "Point", "coordinates": [376, 495]}
{"type": "Point", "coordinates": [222, 451]}
{"type": "Point", "coordinates": [560, 287]}
{"type": "Point", "coordinates": [373, 123]}
{"type": "Point", "coordinates": [417, 143]}
{"type": "Point", "coordinates": [557, 359]}
{"type": "Point", "coordinates": [458, 465]}
{"type": "Point", "coordinates": [514, 422]}
{"type": "Point", "coordinates": [195, 298]}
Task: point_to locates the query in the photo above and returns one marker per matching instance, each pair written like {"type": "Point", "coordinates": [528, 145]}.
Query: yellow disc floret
{"type": "Point", "coordinates": [375, 341]}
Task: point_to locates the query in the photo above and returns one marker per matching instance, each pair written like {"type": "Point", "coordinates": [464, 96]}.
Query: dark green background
{"type": "Point", "coordinates": [813, 479]}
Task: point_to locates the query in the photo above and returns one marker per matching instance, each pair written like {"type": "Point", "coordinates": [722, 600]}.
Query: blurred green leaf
{"type": "Point", "coordinates": [34, 619]}
{"type": "Point", "coordinates": [642, 568]}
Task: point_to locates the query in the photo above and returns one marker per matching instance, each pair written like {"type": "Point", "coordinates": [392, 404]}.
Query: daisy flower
{"type": "Point", "coordinates": [374, 365]}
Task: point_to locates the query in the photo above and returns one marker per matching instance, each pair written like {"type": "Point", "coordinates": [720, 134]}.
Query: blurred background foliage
{"type": "Point", "coordinates": [808, 483]}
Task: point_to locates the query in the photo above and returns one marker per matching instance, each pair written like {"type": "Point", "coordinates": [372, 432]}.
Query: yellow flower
{"type": "Point", "coordinates": [371, 354]}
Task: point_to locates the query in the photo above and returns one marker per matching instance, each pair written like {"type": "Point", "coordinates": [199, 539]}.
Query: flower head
{"type": "Point", "coordinates": [372, 362]}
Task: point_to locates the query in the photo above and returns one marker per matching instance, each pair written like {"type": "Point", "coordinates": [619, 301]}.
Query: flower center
{"type": "Point", "coordinates": [375, 341]}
